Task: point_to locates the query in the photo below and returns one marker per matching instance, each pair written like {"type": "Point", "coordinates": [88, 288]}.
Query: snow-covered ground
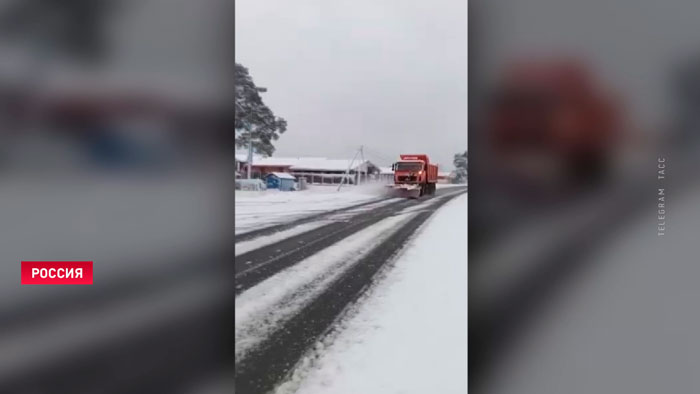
{"type": "Point", "coordinates": [629, 323]}
{"type": "Point", "coordinates": [257, 209]}
{"type": "Point", "coordinates": [409, 332]}
{"type": "Point", "coordinates": [262, 308]}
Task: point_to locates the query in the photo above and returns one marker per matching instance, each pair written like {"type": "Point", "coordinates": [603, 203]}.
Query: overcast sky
{"type": "Point", "coordinates": [631, 45]}
{"type": "Point", "coordinates": [390, 75]}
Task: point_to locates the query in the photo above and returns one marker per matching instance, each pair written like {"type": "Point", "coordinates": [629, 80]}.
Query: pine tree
{"type": "Point", "coordinates": [254, 120]}
{"type": "Point", "coordinates": [460, 162]}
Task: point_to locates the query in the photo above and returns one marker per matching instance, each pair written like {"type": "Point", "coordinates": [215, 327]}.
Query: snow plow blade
{"type": "Point", "coordinates": [404, 191]}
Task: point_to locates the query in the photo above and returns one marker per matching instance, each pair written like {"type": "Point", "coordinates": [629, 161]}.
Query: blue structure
{"type": "Point", "coordinates": [280, 180]}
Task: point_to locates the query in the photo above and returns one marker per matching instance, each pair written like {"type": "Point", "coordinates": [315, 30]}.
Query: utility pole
{"type": "Point", "coordinates": [347, 172]}
{"type": "Point", "coordinates": [363, 167]}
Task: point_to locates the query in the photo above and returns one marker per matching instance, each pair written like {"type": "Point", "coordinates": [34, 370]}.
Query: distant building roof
{"type": "Point", "coordinates": [276, 161]}
{"type": "Point", "coordinates": [282, 175]}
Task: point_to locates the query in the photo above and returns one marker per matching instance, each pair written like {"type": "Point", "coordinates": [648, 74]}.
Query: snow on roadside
{"type": "Point", "coordinates": [257, 209]}
{"type": "Point", "coordinates": [409, 333]}
{"type": "Point", "coordinates": [260, 309]}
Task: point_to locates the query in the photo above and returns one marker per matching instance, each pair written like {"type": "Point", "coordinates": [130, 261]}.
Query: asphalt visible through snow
{"type": "Point", "coordinates": [257, 265]}
{"type": "Point", "coordinates": [269, 362]}
{"type": "Point", "coordinates": [277, 227]}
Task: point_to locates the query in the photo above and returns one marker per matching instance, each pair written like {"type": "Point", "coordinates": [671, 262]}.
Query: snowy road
{"type": "Point", "coordinates": [292, 286]}
{"type": "Point", "coordinates": [628, 325]}
{"type": "Point", "coordinates": [615, 313]}
{"type": "Point", "coordinates": [391, 339]}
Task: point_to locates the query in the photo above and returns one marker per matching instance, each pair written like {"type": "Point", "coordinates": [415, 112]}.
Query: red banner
{"type": "Point", "coordinates": [57, 272]}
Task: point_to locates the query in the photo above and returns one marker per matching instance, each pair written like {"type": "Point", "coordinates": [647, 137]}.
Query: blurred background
{"type": "Point", "coordinates": [115, 147]}
{"type": "Point", "coordinates": [582, 279]}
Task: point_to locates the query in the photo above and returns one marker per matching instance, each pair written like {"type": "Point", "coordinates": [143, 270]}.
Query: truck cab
{"type": "Point", "coordinates": [409, 171]}
{"type": "Point", "coordinates": [415, 175]}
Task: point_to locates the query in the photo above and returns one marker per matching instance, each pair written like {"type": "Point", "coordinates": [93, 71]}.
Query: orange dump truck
{"type": "Point", "coordinates": [555, 111]}
{"type": "Point", "coordinates": [414, 176]}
